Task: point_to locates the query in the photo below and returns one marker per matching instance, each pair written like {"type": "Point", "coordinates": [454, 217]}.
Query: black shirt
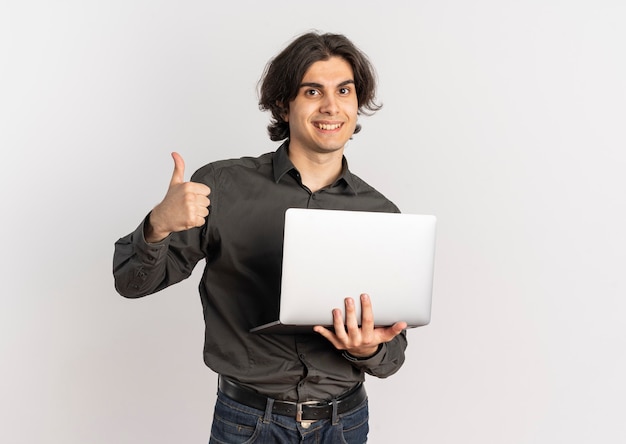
{"type": "Point", "coordinates": [240, 287]}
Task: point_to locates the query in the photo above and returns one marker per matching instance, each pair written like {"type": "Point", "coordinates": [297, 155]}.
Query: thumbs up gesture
{"type": "Point", "coordinates": [185, 205]}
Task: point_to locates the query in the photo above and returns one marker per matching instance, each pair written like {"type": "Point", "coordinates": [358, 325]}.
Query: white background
{"type": "Point", "coordinates": [506, 119]}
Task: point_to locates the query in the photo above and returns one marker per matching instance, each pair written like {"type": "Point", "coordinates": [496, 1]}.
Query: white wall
{"type": "Point", "coordinates": [503, 118]}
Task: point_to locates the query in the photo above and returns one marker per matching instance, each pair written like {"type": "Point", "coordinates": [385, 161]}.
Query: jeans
{"type": "Point", "coordinates": [235, 423]}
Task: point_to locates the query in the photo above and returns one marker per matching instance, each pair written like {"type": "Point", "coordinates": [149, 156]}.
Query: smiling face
{"type": "Point", "coordinates": [323, 116]}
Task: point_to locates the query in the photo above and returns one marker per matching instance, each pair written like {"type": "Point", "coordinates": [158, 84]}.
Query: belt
{"type": "Point", "coordinates": [302, 411]}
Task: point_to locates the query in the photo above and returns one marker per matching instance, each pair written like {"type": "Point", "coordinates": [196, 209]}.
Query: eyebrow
{"type": "Point", "coordinates": [319, 85]}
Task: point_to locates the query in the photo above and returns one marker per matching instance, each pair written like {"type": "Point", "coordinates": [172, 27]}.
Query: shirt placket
{"type": "Point", "coordinates": [304, 353]}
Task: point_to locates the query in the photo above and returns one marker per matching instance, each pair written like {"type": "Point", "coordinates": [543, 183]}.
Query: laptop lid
{"type": "Point", "coordinates": [329, 255]}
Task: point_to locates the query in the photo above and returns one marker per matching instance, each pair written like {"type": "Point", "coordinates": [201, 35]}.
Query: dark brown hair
{"type": "Point", "coordinates": [281, 79]}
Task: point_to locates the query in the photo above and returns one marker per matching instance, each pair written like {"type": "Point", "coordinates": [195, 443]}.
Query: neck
{"type": "Point", "coordinates": [317, 170]}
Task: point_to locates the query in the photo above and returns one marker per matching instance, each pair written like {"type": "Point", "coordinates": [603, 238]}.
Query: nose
{"type": "Point", "coordinates": [329, 105]}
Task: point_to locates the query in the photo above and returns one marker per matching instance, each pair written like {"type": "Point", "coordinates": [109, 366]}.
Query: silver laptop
{"type": "Point", "coordinates": [329, 255]}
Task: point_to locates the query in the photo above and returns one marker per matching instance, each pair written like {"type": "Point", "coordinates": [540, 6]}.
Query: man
{"type": "Point", "coordinates": [274, 388]}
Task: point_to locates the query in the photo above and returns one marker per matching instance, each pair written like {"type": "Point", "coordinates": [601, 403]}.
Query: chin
{"type": "Point", "coordinates": [332, 145]}
{"type": "Point", "coordinates": [330, 148]}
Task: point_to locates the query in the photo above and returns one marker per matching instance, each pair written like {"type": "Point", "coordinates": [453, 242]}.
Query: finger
{"type": "Point", "coordinates": [338, 324]}
{"type": "Point", "coordinates": [202, 201]}
{"type": "Point", "coordinates": [202, 213]}
{"type": "Point", "coordinates": [367, 313]}
{"type": "Point", "coordinates": [367, 319]}
{"type": "Point", "coordinates": [387, 334]}
{"type": "Point", "coordinates": [198, 188]}
{"type": "Point", "coordinates": [178, 176]}
{"type": "Point", "coordinates": [352, 323]}
{"type": "Point", "coordinates": [398, 327]}
{"type": "Point", "coordinates": [326, 333]}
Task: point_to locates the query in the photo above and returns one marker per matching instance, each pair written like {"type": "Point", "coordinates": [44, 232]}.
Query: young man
{"type": "Point", "coordinates": [277, 388]}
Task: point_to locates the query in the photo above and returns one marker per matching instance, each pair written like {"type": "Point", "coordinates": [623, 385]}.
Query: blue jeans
{"type": "Point", "coordinates": [235, 423]}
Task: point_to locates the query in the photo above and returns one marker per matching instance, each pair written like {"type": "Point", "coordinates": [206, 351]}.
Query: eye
{"type": "Point", "coordinates": [311, 92]}
{"type": "Point", "coordinates": [344, 91]}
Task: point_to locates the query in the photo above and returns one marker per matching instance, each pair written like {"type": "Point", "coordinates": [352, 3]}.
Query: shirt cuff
{"type": "Point", "coordinates": [367, 361]}
{"type": "Point", "coordinates": [152, 252]}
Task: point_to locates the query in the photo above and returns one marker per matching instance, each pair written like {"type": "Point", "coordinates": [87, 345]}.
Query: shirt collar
{"type": "Point", "coordinates": [282, 165]}
{"type": "Point", "coordinates": [281, 161]}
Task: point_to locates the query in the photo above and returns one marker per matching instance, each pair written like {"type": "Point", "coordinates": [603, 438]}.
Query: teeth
{"type": "Point", "coordinates": [327, 127]}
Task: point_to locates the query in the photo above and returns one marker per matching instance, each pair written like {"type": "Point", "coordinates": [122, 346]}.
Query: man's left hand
{"type": "Point", "coordinates": [362, 341]}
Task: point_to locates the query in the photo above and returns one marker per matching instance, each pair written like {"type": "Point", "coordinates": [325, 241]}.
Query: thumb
{"type": "Point", "coordinates": [178, 176]}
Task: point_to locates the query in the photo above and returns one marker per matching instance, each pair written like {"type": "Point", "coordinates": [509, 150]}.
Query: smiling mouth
{"type": "Point", "coordinates": [328, 126]}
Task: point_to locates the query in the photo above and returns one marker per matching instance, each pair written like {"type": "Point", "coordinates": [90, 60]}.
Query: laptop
{"type": "Point", "coordinates": [329, 255]}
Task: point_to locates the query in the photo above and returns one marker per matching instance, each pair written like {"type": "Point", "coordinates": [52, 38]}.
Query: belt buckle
{"type": "Point", "coordinates": [305, 423]}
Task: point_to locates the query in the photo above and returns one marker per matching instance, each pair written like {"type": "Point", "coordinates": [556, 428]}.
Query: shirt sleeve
{"type": "Point", "coordinates": [141, 268]}
{"type": "Point", "coordinates": [386, 361]}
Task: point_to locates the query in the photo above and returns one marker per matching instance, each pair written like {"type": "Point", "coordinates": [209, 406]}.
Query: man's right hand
{"type": "Point", "coordinates": [185, 206]}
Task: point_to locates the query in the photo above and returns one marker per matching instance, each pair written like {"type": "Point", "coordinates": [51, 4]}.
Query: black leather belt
{"type": "Point", "coordinates": [301, 411]}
